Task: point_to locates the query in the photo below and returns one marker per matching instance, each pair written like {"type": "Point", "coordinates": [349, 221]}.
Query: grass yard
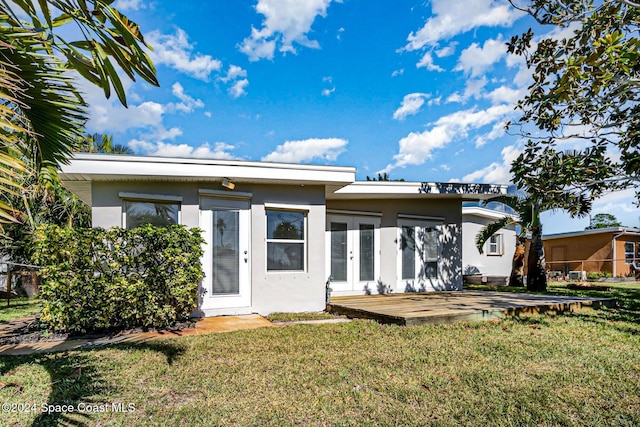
{"type": "Point", "coordinates": [575, 369]}
{"type": "Point", "coordinates": [19, 307]}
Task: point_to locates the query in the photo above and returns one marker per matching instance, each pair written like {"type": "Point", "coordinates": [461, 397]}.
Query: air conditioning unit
{"type": "Point", "coordinates": [577, 275]}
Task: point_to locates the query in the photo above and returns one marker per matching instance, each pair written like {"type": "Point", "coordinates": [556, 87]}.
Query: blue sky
{"type": "Point", "coordinates": [418, 89]}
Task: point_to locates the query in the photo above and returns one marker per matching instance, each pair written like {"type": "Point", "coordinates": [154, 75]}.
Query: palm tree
{"type": "Point", "coordinates": [41, 111]}
{"type": "Point", "coordinates": [102, 143]}
{"type": "Point", "coordinates": [528, 218]}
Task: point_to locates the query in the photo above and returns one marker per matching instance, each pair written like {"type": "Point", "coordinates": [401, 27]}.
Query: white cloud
{"type": "Point", "coordinates": [327, 91]}
{"type": "Point", "coordinates": [188, 103]}
{"type": "Point", "coordinates": [411, 104]}
{"type": "Point", "coordinates": [326, 149]}
{"type": "Point", "coordinates": [234, 72]}
{"type": "Point", "coordinates": [236, 77]}
{"type": "Point", "coordinates": [475, 60]}
{"type": "Point", "coordinates": [496, 172]}
{"type": "Point", "coordinates": [448, 50]}
{"type": "Point", "coordinates": [427, 62]}
{"type": "Point", "coordinates": [473, 88]}
{"type": "Point", "coordinates": [175, 51]}
{"type": "Point", "coordinates": [285, 22]}
{"type": "Point", "coordinates": [106, 117]}
{"type": "Point", "coordinates": [397, 72]}
{"type": "Point", "coordinates": [454, 97]}
{"type": "Point", "coordinates": [504, 94]}
{"type": "Point", "coordinates": [621, 204]}
{"type": "Point", "coordinates": [449, 18]}
{"type": "Point", "coordinates": [237, 89]}
{"type": "Point", "coordinates": [127, 5]}
{"type": "Point", "coordinates": [496, 132]}
{"type": "Point", "coordinates": [417, 147]}
{"type": "Point", "coordinates": [220, 150]}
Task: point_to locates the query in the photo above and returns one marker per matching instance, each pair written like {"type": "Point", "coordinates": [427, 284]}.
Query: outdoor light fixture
{"type": "Point", "coordinates": [226, 183]}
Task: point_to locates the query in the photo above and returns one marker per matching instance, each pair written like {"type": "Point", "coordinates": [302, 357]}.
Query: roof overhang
{"type": "Point", "coordinates": [84, 168]}
{"type": "Point", "coordinates": [412, 190]}
{"type": "Point", "coordinates": [485, 213]}
{"type": "Point", "coordinates": [609, 230]}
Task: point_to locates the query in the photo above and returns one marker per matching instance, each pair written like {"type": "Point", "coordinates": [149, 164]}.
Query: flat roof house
{"type": "Point", "coordinates": [608, 250]}
{"type": "Point", "coordinates": [275, 233]}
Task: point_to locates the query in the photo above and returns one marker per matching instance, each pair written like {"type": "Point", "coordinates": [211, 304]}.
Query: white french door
{"type": "Point", "coordinates": [419, 251]}
{"type": "Point", "coordinates": [226, 262]}
{"type": "Point", "coordinates": [353, 252]}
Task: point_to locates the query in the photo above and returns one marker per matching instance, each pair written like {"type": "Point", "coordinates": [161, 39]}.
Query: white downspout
{"type": "Point", "coordinates": [615, 261]}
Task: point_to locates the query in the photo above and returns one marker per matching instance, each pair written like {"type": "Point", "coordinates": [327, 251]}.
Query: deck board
{"type": "Point", "coordinates": [442, 307]}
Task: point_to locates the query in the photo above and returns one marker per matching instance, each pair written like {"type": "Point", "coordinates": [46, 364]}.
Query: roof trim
{"type": "Point", "coordinates": [485, 213]}
{"type": "Point", "coordinates": [626, 230]}
{"type": "Point", "coordinates": [404, 189]}
{"type": "Point", "coordinates": [104, 167]}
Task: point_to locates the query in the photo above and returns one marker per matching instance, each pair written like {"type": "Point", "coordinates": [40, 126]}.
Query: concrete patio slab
{"type": "Point", "coordinates": [208, 325]}
{"type": "Point", "coordinates": [442, 307]}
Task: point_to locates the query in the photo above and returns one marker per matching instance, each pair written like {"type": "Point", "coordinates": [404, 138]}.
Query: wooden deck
{"type": "Point", "coordinates": [442, 307]}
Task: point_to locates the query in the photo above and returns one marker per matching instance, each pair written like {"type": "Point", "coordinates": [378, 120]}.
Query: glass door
{"type": "Point", "coordinates": [226, 261]}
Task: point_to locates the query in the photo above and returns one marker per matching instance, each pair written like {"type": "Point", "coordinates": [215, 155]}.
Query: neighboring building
{"type": "Point", "coordinates": [276, 232]}
{"type": "Point", "coordinates": [498, 251]}
{"type": "Point", "coordinates": [609, 250]}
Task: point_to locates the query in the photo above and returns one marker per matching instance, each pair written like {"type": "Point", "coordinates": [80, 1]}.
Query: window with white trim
{"type": "Point", "coordinates": [629, 252]}
{"type": "Point", "coordinates": [158, 213]}
{"type": "Point", "coordinates": [420, 248]}
{"type": "Point", "coordinates": [495, 245]}
{"type": "Point", "coordinates": [286, 240]}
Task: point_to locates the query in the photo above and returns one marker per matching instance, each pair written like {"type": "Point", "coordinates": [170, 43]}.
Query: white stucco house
{"type": "Point", "coordinates": [498, 250]}
{"type": "Point", "coordinates": [276, 232]}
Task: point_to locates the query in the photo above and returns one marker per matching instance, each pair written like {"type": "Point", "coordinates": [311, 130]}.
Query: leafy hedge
{"type": "Point", "coordinates": [95, 279]}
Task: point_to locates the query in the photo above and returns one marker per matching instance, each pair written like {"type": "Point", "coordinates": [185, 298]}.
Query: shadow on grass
{"type": "Point", "coordinates": [627, 304]}
{"type": "Point", "coordinates": [76, 377]}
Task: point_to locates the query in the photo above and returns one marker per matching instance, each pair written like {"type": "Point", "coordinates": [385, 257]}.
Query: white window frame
{"type": "Point", "coordinates": [286, 208]}
{"type": "Point", "coordinates": [496, 240]}
{"type": "Point", "coordinates": [629, 259]}
{"type": "Point", "coordinates": [416, 224]}
{"type": "Point", "coordinates": [148, 198]}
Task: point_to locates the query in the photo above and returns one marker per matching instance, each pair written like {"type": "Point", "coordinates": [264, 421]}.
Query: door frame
{"type": "Point", "coordinates": [419, 282]}
{"type": "Point", "coordinates": [210, 201]}
{"type": "Point", "coordinates": [353, 221]}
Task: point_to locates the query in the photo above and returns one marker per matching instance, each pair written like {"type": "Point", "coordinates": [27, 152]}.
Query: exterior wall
{"type": "Point", "coordinates": [449, 209]}
{"type": "Point", "coordinates": [594, 250]}
{"type": "Point", "coordinates": [622, 268]}
{"type": "Point", "coordinates": [473, 262]}
{"type": "Point", "coordinates": [565, 253]}
{"type": "Point", "coordinates": [270, 291]}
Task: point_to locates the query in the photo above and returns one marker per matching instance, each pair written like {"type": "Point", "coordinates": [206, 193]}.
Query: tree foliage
{"type": "Point", "coordinates": [603, 220]}
{"type": "Point", "coordinates": [41, 111]}
{"type": "Point", "coordinates": [528, 218]}
{"type": "Point", "coordinates": [96, 279]}
{"type": "Point", "coordinates": [585, 92]}
{"type": "Point", "coordinates": [39, 203]}
{"type": "Point", "coordinates": [101, 143]}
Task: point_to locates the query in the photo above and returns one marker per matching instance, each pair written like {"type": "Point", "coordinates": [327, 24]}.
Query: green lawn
{"type": "Point", "coordinates": [19, 307]}
{"type": "Point", "coordinates": [574, 369]}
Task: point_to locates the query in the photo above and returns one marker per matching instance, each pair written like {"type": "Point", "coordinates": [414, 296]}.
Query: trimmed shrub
{"type": "Point", "coordinates": [96, 279]}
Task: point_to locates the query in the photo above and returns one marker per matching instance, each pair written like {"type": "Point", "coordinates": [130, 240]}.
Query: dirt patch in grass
{"type": "Point", "coordinates": [588, 287]}
{"type": "Point", "coordinates": [33, 332]}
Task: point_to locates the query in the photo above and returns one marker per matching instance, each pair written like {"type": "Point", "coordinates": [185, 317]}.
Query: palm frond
{"type": "Point", "coordinates": [490, 229]}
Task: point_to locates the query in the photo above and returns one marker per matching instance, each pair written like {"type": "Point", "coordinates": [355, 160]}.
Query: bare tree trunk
{"type": "Point", "coordinates": [536, 272]}
{"type": "Point", "coordinates": [517, 265]}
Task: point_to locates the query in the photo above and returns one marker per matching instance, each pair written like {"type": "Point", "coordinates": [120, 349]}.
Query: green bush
{"type": "Point", "coordinates": [96, 279]}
